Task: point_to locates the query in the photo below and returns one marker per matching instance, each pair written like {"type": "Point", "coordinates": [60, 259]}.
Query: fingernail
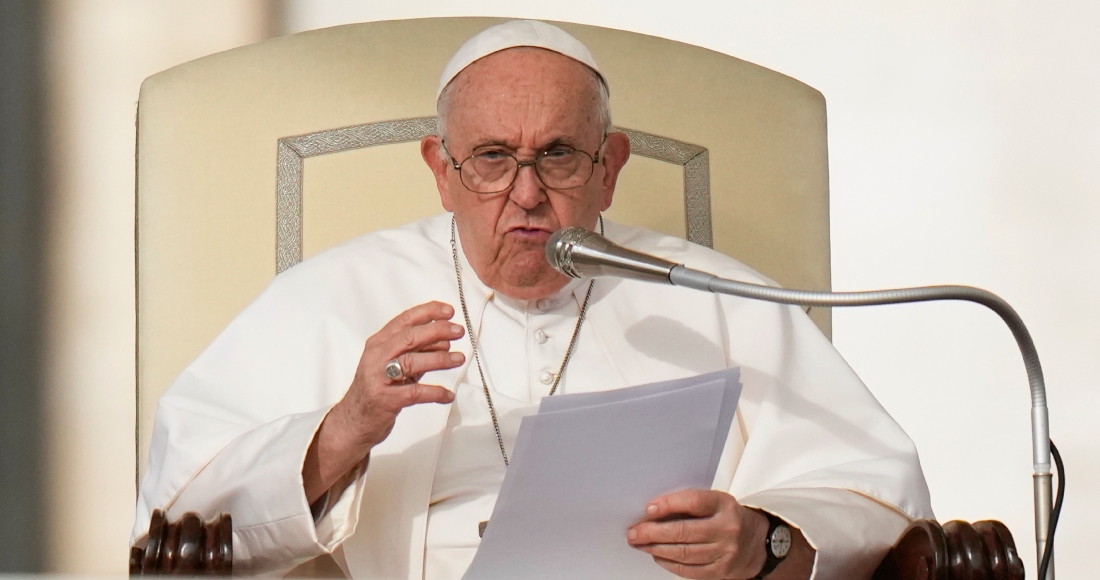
{"type": "Point", "coordinates": [455, 329]}
{"type": "Point", "coordinates": [632, 535]}
{"type": "Point", "coordinates": [651, 509]}
{"type": "Point", "coordinates": [448, 310]}
{"type": "Point", "coordinates": [457, 357]}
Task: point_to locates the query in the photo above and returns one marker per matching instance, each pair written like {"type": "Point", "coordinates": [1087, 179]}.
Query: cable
{"type": "Point", "coordinates": [1049, 548]}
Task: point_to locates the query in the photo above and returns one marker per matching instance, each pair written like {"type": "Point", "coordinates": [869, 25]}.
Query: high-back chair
{"type": "Point", "coordinates": [250, 160]}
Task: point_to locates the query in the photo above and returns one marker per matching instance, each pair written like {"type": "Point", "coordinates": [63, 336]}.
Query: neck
{"type": "Point", "coordinates": [536, 292]}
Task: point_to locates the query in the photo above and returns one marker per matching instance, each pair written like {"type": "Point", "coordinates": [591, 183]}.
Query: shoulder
{"type": "Point", "coordinates": [369, 278]}
{"type": "Point", "coordinates": [418, 248]}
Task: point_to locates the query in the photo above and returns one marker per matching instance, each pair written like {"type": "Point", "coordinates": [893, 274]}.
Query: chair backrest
{"type": "Point", "coordinates": [251, 159]}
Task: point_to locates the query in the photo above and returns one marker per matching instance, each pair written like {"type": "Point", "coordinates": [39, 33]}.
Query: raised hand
{"type": "Point", "coordinates": [419, 341]}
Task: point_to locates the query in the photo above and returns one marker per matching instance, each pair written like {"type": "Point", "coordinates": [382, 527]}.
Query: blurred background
{"type": "Point", "coordinates": [962, 138]}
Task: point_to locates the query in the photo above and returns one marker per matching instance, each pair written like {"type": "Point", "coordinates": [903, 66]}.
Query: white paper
{"type": "Point", "coordinates": [730, 377]}
{"type": "Point", "coordinates": [584, 468]}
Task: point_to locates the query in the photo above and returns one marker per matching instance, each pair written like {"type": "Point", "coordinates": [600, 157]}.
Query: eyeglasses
{"type": "Point", "coordinates": [495, 170]}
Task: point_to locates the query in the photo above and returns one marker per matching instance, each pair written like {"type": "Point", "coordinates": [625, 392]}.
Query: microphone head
{"type": "Point", "coordinates": [579, 253]}
{"type": "Point", "coordinates": [559, 249]}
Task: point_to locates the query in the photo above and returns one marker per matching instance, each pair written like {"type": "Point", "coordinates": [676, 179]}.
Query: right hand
{"type": "Point", "coordinates": [419, 339]}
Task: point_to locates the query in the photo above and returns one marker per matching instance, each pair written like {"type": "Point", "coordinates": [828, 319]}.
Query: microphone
{"type": "Point", "coordinates": [579, 253]}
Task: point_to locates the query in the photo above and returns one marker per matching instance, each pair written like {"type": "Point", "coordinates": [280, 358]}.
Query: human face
{"type": "Point", "coordinates": [522, 101]}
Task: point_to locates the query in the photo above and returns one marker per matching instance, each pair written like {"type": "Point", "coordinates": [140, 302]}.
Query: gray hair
{"type": "Point", "coordinates": [603, 105]}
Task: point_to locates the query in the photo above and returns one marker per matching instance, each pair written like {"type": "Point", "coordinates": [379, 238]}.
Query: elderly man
{"type": "Point", "coordinates": [344, 411]}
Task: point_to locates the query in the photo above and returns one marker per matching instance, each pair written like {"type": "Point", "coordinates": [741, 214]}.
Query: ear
{"type": "Point", "coordinates": [431, 150]}
{"type": "Point", "coordinates": [615, 154]}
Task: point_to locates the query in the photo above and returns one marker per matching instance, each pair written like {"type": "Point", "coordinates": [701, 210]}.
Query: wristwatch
{"type": "Point", "coordinates": [777, 544]}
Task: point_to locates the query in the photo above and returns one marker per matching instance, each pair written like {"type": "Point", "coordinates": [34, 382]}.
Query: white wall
{"type": "Point", "coordinates": [962, 136]}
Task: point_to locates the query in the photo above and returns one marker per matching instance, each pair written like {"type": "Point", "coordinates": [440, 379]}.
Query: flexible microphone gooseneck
{"type": "Point", "coordinates": [579, 253]}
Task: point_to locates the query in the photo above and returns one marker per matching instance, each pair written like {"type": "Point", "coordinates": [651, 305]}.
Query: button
{"type": "Point", "coordinates": [546, 377]}
{"type": "Point", "coordinates": [544, 304]}
{"type": "Point", "coordinates": [540, 336]}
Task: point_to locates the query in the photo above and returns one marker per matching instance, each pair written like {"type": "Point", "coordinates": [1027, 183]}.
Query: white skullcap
{"type": "Point", "coordinates": [511, 35]}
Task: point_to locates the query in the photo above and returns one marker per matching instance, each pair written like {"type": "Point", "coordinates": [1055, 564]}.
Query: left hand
{"type": "Point", "coordinates": [702, 534]}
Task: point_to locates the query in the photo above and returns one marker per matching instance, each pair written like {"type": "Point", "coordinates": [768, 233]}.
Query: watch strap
{"type": "Point", "coordinates": [771, 560]}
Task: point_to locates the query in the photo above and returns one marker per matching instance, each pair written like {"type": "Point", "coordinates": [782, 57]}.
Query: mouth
{"type": "Point", "coordinates": [530, 234]}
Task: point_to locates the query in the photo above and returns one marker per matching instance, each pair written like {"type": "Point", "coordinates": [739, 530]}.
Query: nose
{"type": "Point", "coordinates": [527, 190]}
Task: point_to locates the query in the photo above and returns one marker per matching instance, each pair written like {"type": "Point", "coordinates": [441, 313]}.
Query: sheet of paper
{"type": "Point", "coordinates": [731, 378]}
{"type": "Point", "coordinates": [582, 473]}
{"type": "Point", "coordinates": [576, 400]}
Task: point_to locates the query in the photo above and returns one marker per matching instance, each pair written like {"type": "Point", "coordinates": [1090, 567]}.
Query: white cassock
{"type": "Point", "coordinates": [810, 443]}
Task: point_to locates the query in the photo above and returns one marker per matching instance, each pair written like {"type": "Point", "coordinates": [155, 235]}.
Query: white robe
{"type": "Point", "coordinates": [810, 443]}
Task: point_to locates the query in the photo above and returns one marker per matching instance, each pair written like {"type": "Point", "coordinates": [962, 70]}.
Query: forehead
{"type": "Point", "coordinates": [521, 96]}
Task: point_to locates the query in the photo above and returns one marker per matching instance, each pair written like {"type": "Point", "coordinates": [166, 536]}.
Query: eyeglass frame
{"type": "Point", "coordinates": [533, 164]}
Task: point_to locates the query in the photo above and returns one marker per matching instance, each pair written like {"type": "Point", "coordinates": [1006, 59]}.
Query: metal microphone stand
{"type": "Point", "coordinates": [1040, 429]}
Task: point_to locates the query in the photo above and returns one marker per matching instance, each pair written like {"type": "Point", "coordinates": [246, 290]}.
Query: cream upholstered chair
{"type": "Point", "coordinates": [253, 159]}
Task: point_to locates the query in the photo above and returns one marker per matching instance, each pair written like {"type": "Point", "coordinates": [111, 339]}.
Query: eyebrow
{"type": "Point", "coordinates": [492, 143]}
{"type": "Point", "coordinates": [562, 140]}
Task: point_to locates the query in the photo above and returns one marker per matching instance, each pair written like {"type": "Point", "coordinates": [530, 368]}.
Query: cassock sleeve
{"type": "Point", "coordinates": [819, 450]}
{"type": "Point", "coordinates": [850, 532]}
{"type": "Point", "coordinates": [232, 431]}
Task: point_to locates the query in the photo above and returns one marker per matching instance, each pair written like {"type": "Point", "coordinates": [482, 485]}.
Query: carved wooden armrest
{"type": "Point", "coordinates": [954, 551]}
{"type": "Point", "coordinates": [925, 551]}
{"type": "Point", "coordinates": [187, 547]}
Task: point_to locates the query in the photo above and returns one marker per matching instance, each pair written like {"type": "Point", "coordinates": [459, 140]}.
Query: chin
{"type": "Point", "coordinates": [525, 275]}
{"type": "Point", "coordinates": [533, 278]}
{"type": "Point", "coordinates": [532, 292]}
{"type": "Point", "coordinates": [532, 283]}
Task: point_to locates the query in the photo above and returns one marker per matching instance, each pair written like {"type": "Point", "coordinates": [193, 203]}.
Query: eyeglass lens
{"type": "Point", "coordinates": [495, 171]}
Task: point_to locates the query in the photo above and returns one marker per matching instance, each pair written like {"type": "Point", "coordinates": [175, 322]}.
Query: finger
{"type": "Point", "coordinates": [681, 531]}
{"type": "Point", "coordinates": [416, 316]}
{"type": "Point", "coordinates": [415, 364]}
{"type": "Point", "coordinates": [440, 345]}
{"type": "Point", "coordinates": [415, 338]}
{"type": "Point", "coordinates": [701, 571]}
{"type": "Point", "coordinates": [692, 502]}
{"type": "Point", "coordinates": [696, 554]}
{"type": "Point", "coordinates": [416, 394]}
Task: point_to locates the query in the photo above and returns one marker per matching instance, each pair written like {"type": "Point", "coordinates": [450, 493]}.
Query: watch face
{"type": "Point", "coordinates": [781, 541]}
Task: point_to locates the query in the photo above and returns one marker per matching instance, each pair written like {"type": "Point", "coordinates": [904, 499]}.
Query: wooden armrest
{"type": "Point", "coordinates": [954, 551]}
{"type": "Point", "coordinates": [187, 547]}
{"type": "Point", "coordinates": [925, 551]}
